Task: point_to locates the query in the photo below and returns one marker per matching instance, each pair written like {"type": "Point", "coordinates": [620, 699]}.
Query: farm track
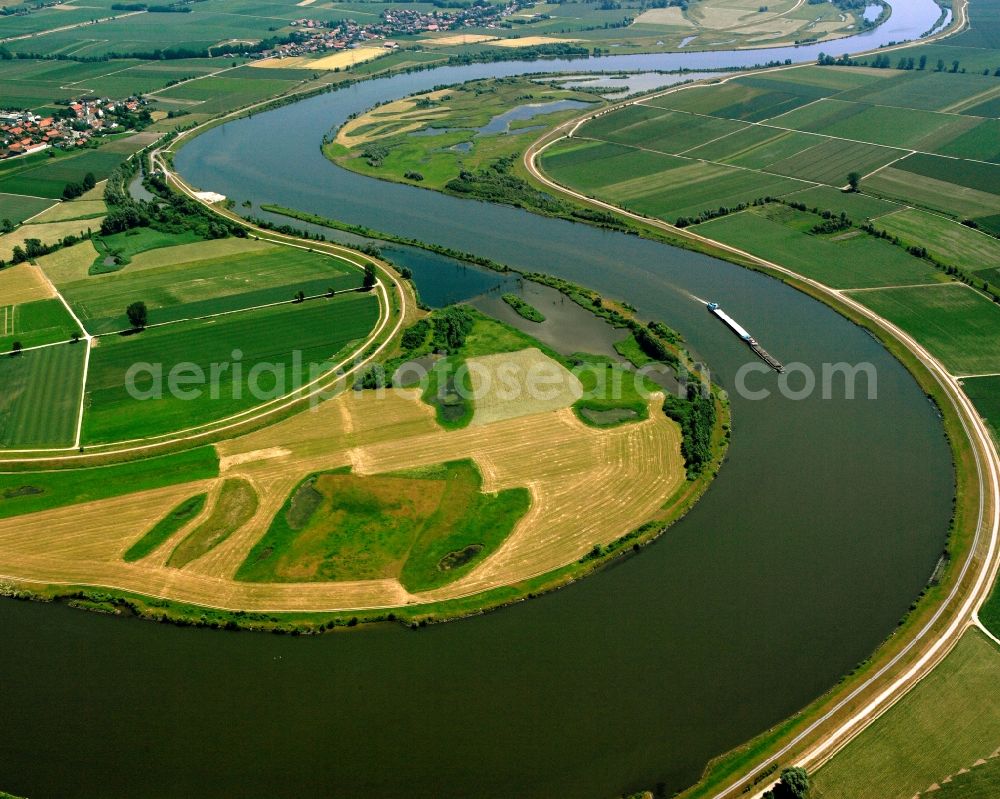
{"type": "Point", "coordinates": [929, 644]}
{"type": "Point", "coordinates": [588, 486]}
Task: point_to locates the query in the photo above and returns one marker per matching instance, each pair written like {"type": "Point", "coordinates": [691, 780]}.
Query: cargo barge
{"type": "Point", "coordinates": [742, 332]}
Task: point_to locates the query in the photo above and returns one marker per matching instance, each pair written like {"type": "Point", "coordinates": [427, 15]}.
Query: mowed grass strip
{"type": "Point", "coordinates": [165, 528]}
{"type": "Point", "coordinates": [30, 492]}
{"type": "Point", "coordinates": [957, 324]}
{"type": "Point", "coordinates": [190, 289]}
{"type": "Point", "coordinates": [948, 241]}
{"type": "Point", "coordinates": [426, 527]}
{"type": "Point", "coordinates": [40, 396]}
{"type": "Point", "coordinates": [258, 346]}
{"type": "Point", "coordinates": [944, 724]}
{"type": "Point", "coordinates": [234, 507]}
{"type": "Point", "coordinates": [850, 259]}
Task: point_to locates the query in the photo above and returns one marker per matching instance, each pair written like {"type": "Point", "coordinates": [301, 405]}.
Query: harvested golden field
{"type": "Point", "coordinates": [664, 16]}
{"type": "Point", "coordinates": [531, 41]}
{"type": "Point", "coordinates": [69, 263]}
{"type": "Point", "coordinates": [47, 233]}
{"type": "Point", "coordinates": [587, 486]}
{"type": "Point", "coordinates": [455, 40]}
{"type": "Point", "coordinates": [398, 117]}
{"type": "Point", "coordinates": [512, 384]}
{"type": "Point", "coordinates": [23, 283]}
{"type": "Point", "coordinates": [341, 60]}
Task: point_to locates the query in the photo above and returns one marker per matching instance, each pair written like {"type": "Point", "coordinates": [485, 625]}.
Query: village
{"type": "Point", "coordinates": [321, 36]}
{"type": "Point", "coordinates": [24, 132]}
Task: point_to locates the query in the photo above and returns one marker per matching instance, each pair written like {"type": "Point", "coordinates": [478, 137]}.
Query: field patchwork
{"type": "Point", "coordinates": [587, 486]}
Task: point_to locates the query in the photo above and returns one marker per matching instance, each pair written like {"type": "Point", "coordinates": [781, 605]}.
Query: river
{"type": "Point", "coordinates": [824, 524]}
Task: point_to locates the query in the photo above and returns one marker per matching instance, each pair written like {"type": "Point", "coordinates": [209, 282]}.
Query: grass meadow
{"type": "Point", "coordinates": [235, 506]}
{"type": "Point", "coordinates": [985, 395]}
{"type": "Point", "coordinates": [47, 176]}
{"type": "Point", "coordinates": [165, 528]}
{"type": "Point", "coordinates": [426, 527]}
{"type": "Point", "coordinates": [317, 329]}
{"type": "Point", "coordinates": [982, 781]}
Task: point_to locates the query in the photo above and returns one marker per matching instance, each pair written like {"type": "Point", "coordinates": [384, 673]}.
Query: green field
{"type": "Point", "coordinates": [656, 129]}
{"type": "Point", "coordinates": [17, 208]}
{"type": "Point", "coordinates": [851, 259]}
{"type": "Point", "coordinates": [894, 127]}
{"type": "Point", "coordinates": [187, 287]}
{"type": "Point", "coordinates": [234, 507]}
{"type": "Point", "coordinates": [46, 177]}
{"type": "Point", "coordinates": [948, 241]}
{"type": "Point", "coordinates": [945, 724]}
{"type": "Point", "coordinates": [40, 400]}
{"type": "Point", "coordinates": [857, 206]}
{"type": "Point", "coordinates": [985, 394]}
{"type": "Point", "coordinates": [934, 91]}
{"type": "Point", "coordinates": [680, 187]}
{"type": "Point", "coordinates": [35, 323]}
{"type": "Point", "coordinates": [29, 492]}
{"type": "Point", "coordinates": [927, 192]}
{"type": "Point", "coordinates": [981, 177]}
{"type": "Point", "coordinates": [426, 527]}
{"type": "Point", "coordinates": [165, 528]}
{"type": "Point", "coordinates": [958, 325]}
{"type": "Point", "coordinates": [316, 329]}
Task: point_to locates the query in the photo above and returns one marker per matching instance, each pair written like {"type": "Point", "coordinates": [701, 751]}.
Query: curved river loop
{"type": "Point", "coordinates": [823, 526]}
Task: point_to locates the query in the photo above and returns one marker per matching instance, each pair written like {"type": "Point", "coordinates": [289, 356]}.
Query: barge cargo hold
{"type": "Point", "coordinates": [742, 332]}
